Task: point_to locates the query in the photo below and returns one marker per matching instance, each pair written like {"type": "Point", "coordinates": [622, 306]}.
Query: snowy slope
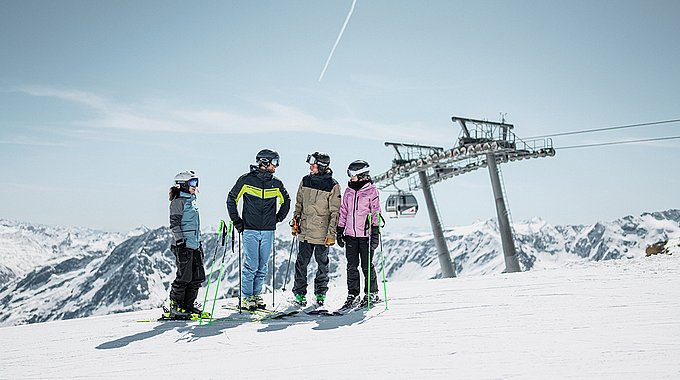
{"type": "Point", "coordinates": [608, 319]}
{"type": "Point", "coordinates": [136, 274]}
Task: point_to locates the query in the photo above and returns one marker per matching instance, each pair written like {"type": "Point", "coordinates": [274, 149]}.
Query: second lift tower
{"type": "Point", "coordinates": [480, 144]}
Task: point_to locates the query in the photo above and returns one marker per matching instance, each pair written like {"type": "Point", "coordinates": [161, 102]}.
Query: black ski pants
{"type": "Point", "coordinates": [190, 275]}
{"type": "Point", "coordinates": [357, 251]}
{"type": "Point", "coordinates": [304, 256]}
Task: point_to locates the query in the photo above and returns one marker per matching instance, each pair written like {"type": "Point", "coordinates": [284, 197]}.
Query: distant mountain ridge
{"type": "Point", "coordinates": [53, 273]}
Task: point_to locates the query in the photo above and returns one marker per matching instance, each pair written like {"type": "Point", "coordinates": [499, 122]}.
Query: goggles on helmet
{"type": "Point", "coordinates": [193, 182]}
{"type": "Point", "coordinates": [267, 161]}
{"type": "Point", "coordinates": [321, 159]}
{"type": "Point", "coordinates": [352, 173]}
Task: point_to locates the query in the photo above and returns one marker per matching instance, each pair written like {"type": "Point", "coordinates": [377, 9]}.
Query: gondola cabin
{"type": "Point", "coordinates": [401, 205]}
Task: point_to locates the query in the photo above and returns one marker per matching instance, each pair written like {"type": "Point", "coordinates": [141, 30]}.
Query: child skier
{"type": "Point", "coordinates": [359, 237]}
{"type": "Point", "coordinates": [186, 229]}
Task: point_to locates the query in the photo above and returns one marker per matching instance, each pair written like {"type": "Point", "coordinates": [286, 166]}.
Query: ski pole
{"type": "Point", "coordinates": [290, 255]}
{"type": "Point", "coordinates": [219, 276]}
{"type": "Point", "coordinates": [212, 266]}
{"type": "Point", "coordinates": [382, 252]}
{"type": "Point", "coordinates": [239, 270]}
{"type": "Point", "coordinates": [370, 229]}
{"type": "Point", "coordinates": [273, 269]}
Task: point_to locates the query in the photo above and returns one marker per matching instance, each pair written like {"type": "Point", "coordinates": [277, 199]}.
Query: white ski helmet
{"type": "Point", "coordinates": [359, 168]}
{"type": "Point", "coordinates": [186, 178]}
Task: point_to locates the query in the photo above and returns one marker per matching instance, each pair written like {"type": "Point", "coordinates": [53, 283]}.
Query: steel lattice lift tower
{"type": "Point", "coordinates": [487, 144]}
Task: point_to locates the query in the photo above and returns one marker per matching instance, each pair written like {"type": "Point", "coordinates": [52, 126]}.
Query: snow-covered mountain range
{"type": "Point", "coordinates": [50, 273]}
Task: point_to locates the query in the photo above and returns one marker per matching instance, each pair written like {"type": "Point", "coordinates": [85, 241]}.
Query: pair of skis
{"type": "Point", "coordinates": [337, 313]}
{"type": "Point", "coordinates": [264, 314]}
{"type": "Point", "coordinates": [255, 316]}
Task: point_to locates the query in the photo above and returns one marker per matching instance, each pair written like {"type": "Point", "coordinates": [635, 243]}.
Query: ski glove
{"type": "Point", "coordinates": [295, 225]}
{"type": "Point", "coordinates": [238, 224]}
{"type": "Point", "coordinates": [329, 241]}
{"type": "Point", "coordinates": [182, 243]}
{"type": "Point", "coordinates": [375, 238]}
{"type": "Point", "coordinates": [340, 236]}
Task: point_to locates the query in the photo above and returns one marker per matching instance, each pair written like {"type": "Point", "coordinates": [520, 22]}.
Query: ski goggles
{"type": "Point", "coordinates": [352, 173]}
{"type": "Point", "coordinates": [311, 159]}
{"type": "Point", "coordinates": [193, 182]}
{"type": "Point", "coordinates": [267, 161]}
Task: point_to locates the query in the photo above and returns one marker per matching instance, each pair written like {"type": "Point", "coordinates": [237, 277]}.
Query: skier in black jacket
{"type": "Point", "coordinates": [261, 192]}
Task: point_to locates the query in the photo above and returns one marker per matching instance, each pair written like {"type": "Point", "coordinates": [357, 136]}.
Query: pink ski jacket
{"type": "Point", "coordinates": [355, 207]}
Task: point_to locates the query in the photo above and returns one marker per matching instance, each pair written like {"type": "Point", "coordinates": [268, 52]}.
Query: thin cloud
{"type": "Point", "coordinates": [270, 117]}
{"type": "Point", "coordinates": [81, 97]}
{"type": "Point", "coordinates": [20, 140]}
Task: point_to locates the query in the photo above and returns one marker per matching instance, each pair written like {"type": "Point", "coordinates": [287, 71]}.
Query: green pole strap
{"type": "Point", "coordinates": [370, 229]}
{"type": "Point", "coordinates": [212, 266]}
{"type": "Point", "coordinates": [382, 252]}
{"type": "Point", "coordinates": [219, 276]}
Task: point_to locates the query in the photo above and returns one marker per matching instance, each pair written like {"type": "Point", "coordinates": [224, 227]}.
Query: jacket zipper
{"type": "Point", "coordinates": [264, 203]}
{"type": "Point", "coordinates": [356, 205]}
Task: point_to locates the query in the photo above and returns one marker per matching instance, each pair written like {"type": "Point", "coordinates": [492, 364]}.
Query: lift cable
{"type": "Point", "coordinates": [618, 142]}
{"type": "Point", "coordinates": [605, 129]}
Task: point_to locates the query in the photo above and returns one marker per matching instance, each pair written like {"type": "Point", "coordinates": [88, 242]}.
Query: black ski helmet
{"type": "Point", "coordinates": [358, 168]}
{"type": "Point", "coordinates": [323, 160]}
{"type": "Point", "coordinates": [266, 157]}
{"type": "Point", "coordinates": [185, 179]}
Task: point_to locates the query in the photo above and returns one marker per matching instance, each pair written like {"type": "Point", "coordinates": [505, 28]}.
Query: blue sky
{"type": "Point", "coordinates": [102, 103]}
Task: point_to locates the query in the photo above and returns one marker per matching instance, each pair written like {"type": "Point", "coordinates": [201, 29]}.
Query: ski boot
{"type": "Point", "coordinates": [300, 300]}
{"type": "Point", "coordinates": [176, 311]}
{"type": "Point", "coordinates": [351, 302]}
{"type": "Point", "coordinates": [373, 297]}
{"type": "Point", "coordinates": [196, 311]}
{"type": "Point", "coordinates": [320, 299]}
{"type": "Point", "coordinates": [249, 303]}
{"type": "Point", "coordinates": [259, 302]}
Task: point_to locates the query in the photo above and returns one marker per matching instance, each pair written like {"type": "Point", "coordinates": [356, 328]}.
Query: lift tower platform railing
{"type": "Point", "coordinates": [480, 144]}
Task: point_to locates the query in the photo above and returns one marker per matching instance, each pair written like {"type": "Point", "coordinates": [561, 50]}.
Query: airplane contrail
{"type": "Point", "coordinates": [351, 10]}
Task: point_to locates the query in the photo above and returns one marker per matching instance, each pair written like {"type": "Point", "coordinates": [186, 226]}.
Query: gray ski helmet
{"type": "Point", "coordinates": [266, 157]}
{"type": "Point", "coordinates": [323, 160]}
{"type": "Point", "coordinates": [358, 168]}
{"type": "Point", "coordinates": [186, 178]}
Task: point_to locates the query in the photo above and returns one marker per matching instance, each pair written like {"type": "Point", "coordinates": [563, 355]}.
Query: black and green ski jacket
{"type": "Point", "coordinates": [261, 192]}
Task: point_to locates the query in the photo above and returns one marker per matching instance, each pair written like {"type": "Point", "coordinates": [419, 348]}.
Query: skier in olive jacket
{"type": "Point", "coordinates": [314, 222]}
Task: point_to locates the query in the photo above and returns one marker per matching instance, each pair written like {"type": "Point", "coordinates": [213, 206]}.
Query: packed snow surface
{"type": "Point", "coordinates": [609, 319]}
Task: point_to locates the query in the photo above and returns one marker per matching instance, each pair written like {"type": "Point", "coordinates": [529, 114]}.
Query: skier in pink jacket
{"type": "Point", "coordinates": [359, 238]}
